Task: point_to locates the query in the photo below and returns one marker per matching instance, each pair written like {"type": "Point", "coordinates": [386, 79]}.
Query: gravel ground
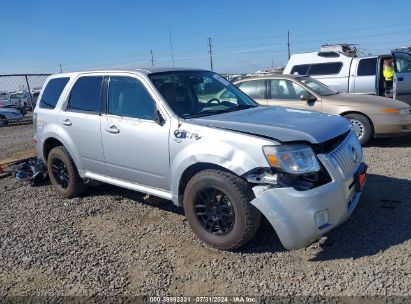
{"type": "Point", "coordinates": [113, 241]}
{"type": "Point", "coordinates": [15, 140]}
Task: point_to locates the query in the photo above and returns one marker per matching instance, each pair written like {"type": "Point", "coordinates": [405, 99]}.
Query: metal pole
{"type": "Point", "coordinates": [210, 53]}
{"type": "Point", "coordinates": [171, 47]}
{"type": "Point", "coordinates": [152, 58]}
{"type": "Point", "coordinates": [288, 44]}
{"type": "Point", "coordinates": [61, 68]}
{"type": "Point", "coordinates": [28, 88]}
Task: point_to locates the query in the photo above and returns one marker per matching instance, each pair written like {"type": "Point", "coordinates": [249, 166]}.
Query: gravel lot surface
{"type": "Point", "coordinates": [114, 241]}
{"type": "Point", "coordinates": [15, 140]}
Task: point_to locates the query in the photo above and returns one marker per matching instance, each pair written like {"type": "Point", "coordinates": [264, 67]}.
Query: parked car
{"type": "Point", "coordinates": [7, 114]}
{"type": "Point", "coordinates": [21, 99]}
{"type": "Point", "coordinates": [164, 132]}
{"type": "Point", "coordinates": [371, 116]}
{"type": "Point", "coordinates": [352, 74]}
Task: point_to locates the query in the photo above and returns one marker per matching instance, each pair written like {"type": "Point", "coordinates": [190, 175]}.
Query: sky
{"type": "Point", "coordinates": [38, 36]}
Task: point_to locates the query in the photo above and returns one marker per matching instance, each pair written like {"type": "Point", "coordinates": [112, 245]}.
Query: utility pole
{"type": "Point", "coordinates": [288, 44]}
{"type": "Point", "coordinates": [152, 58]}
{"type": "Point", "coordinates": [272, 63]}
{"type": "Point", "coordinates": [210, 53]}
{"type": "Point", "coordinates": [61, 68]}
{"type": "Point", "coordinates": [171, 47]}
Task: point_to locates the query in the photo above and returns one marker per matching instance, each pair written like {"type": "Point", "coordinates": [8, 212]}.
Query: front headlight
{"type": "Point", "coordinates": [295, 159]}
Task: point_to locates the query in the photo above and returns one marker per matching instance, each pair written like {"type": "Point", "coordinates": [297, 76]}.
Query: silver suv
{"type": "Point", "coordinates": [192, 137]}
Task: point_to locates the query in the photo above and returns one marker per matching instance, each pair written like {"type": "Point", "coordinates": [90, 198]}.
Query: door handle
{"type": "Point", "coordinates": [400, 79]}
{"type": "Point", "coordinates": [113, 129]}
{"type": "Point", "coordinates": [67, 122]}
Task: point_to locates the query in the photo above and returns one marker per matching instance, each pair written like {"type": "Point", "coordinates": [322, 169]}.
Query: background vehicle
{"type": "Point", "coordinates": [20, 99]}
{"type": "Point", "coordinates": [7, 114]}
{"type": "Point", "coordinates": [345, 72]}
{"type": "Point", "coordinates": [370, 115]}
{"type": "Point", "coordinates": [165, 132]}
{"type": "Point", "coordinates": [5, 102]}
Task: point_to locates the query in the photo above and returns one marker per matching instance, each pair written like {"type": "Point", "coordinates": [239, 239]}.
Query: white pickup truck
{"type": "Point", "coordinates": [351, 74]}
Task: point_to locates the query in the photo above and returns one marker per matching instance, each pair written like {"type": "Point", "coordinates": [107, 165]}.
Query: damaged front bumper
{"type": "Point", "coordinates": [301, 217]}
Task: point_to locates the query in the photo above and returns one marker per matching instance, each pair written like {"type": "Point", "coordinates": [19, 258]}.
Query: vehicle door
{"type": "Point", "coordinates": [402, 76]}
{"type": "Point", "coordinates": [80, 123]}
{"type": "Point", "coordinates": [363, 79]}
{"type": "Point", "coordinates": [256, 89]}
{"type": "Point", "coordinates": [287, 93]}
{"type": "Point", "coordinates": [135, 141]}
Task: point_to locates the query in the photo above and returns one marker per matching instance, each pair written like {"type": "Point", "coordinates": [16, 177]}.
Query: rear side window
{"type": "Point", "coordinates": [129, 98]}
{"type": "Point", "coordinates": [317, 68]}
{"type": "Point", "coordinates": [325, 68]}
{"type": "Point", "coordinates": [85, 94]}
{"type": "Point", "coordinates": [52, 92]}
{"type": "Point", "coordinates": [367, 67]}
{"type": "Point", "coordinates": [254, 88]}
{"type": "Point", "coordinates": [300, 69]}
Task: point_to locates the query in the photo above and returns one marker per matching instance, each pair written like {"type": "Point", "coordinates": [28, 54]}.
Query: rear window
{"type": "Point", "coordinates": [85, 94]}
{"type": "Point", "coordinates": [367, 67]}
{"type": "Point", "coordinates": [318, 68]}
{"type": "Point", "coordinates": [52, 92]}
{"type": "Point", "coordinates": [253, 88]}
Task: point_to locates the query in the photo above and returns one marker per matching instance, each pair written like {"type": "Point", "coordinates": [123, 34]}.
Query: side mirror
{"type": "Point", "coordinates": [306, 96]}
{"type": "Point", "coordinates": [159, 118]}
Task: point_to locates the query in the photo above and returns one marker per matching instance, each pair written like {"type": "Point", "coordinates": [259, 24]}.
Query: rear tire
{"type": "Point", "coordinates": [218, 210]}
{"type": "Point", "coordinates": [64, 174]}
{"type": "Point", "coordinates": [362, 127]}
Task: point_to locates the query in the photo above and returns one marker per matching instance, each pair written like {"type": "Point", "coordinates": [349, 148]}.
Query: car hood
{"type": "Point", "coordinates": [365, 101]}
{"type": "Point", "coordinates": [282, 124]}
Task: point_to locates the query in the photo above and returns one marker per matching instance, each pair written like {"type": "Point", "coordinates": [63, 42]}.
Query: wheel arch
{"type": "Point", "coordinates": [362, 114]}
{"type": "Point", "coordinates": [192, 170]}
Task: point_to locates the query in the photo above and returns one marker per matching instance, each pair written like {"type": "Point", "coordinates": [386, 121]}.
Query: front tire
{"type": "Point", "coordinates": [63, 173]}
{"type": "Point", "coordinates": [362, 127]}
{"type": "Point", "coordinates": [3, 121]}
{"type": "Point", "coordinates": [218, 210]}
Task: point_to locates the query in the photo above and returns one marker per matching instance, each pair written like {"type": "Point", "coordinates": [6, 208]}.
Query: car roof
{"type": "Point", "coordinates": [144, 71]}
{"type": "Point", "coordinates": [271, 76]}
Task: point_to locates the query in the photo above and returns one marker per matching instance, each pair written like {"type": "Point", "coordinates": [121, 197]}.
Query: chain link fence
{"type": "Point", "coordinates": [18, 97]}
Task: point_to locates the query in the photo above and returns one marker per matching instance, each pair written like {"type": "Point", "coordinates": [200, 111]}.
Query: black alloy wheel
{"type": "Point", "coordinates": [214, 211]}
{"type": "Point", "coordinates": [60, 173]}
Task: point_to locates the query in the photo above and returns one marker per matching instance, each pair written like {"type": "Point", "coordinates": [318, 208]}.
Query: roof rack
{"type": "Point", "coordinates": [344, 48]}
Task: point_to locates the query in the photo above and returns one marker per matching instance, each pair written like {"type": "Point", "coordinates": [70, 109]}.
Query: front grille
{"type": "Point", "coordinates": [347, 156]}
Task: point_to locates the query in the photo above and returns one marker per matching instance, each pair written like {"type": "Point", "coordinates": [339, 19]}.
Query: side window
{"type": "Point", "coordinates": [367, 67]}
{"type": "Point", "coordinates": [85, 94]}
{"type": "Point", "coordinates": [128, 97]}
{"type": "Point", "coordinates": [300, 69]}
{"type": "Point", "coordinates": [280, 89]}
{"type": "Point", "coordinates": [299, 90]}
{"type": "Point", "coordinates": [403, 62]}
{"type": "Point", "coordinates": [254, 88]}
{"type": "Point", "coordinates": [52, 92]}
{"type": "Point", "coordinates": [325, 68]}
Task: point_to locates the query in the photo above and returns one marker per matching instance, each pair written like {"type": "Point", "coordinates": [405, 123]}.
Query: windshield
{"type": "Point", "coordinates": [317, 86]}
{"type": "Point", "coordinates": [199, 93]}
